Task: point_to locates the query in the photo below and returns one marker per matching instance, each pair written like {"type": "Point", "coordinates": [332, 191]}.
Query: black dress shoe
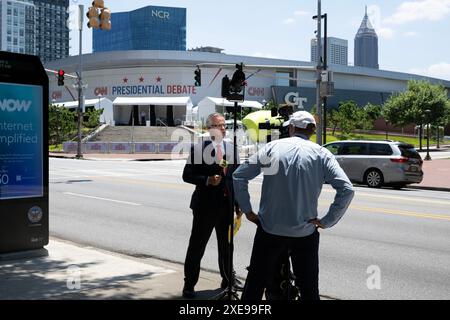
{"type": "Point", "coordinates": [188, 292]}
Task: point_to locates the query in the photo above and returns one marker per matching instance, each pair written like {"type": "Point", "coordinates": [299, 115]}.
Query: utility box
{"type": "Point", "coordinates": [24, 210]}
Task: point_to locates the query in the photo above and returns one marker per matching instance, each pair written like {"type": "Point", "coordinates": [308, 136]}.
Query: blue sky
{"type": "Point", "coordinates": [413, 35]}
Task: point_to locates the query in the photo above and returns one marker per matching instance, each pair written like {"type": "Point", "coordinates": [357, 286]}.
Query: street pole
{"type": "Point", "coordinates": [325, 51]}
{"type": "Point", "coordinates": [438, 136]}
{"type": "Point", "coordinates": [428, 143]}
{"type": "Point", "coordinates": [428, 112]}
{"type": "Point", "coordinates": [319, 76]}
{"type": "Point", "coordinates": [80, 82]}
{"type": "Point", "coordinates": [132, 129]}
{"type": "Point", "coordinates": [420, 136]}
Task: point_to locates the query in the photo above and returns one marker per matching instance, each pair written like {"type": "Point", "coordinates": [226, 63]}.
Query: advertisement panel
{"type": "Point", "coordinates": [24, 165]}
{"type": "Point", "coordinates": [21, 141]}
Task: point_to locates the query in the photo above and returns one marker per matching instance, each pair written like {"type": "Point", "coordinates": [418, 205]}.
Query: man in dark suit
{"type": "Point", "coordinates": [210, 167]}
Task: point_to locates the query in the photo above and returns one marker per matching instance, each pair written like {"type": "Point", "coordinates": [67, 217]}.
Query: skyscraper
{"type": "Point", "coordinates": [52, 32]}
{"type": "Point", "coordinates": [337, 52]}
{"type": "Point", "coordinates": [147, 28]}
{"type": "Point", "coordinates": [366, 45]}
{"type": "Point", "coordinates": [37, 27]}
{"type": "Point", "coordinates": [17, 26]}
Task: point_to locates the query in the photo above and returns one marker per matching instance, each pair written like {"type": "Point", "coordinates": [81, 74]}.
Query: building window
{"type": "Point", "coordinates": [282, 79]}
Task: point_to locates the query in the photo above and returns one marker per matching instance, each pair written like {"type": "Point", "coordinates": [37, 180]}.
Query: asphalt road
{"type": "Point", "coordinates": [391, 244]}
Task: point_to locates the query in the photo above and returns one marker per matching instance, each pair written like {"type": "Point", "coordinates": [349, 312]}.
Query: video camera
{"type": "Point", "coordinates": [282, 114]}
{"type": "Point", "coordinates": [267, 125]}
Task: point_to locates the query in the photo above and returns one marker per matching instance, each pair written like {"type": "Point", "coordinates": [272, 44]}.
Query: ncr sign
{"type": "Point", "coordinates": [164, 15]}
{"type": "Point", "coordinates": [23, 153]}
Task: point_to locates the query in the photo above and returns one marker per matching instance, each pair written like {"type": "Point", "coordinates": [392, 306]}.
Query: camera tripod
{"type": "Point", "coordinates": [283, 285]}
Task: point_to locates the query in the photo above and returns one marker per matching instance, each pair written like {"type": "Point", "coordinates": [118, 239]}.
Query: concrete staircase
{"type": "Point", "coordinates": [139, 134]}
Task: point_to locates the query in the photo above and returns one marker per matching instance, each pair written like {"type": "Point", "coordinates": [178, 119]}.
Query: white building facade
{"type": "Point", "coordinates": [170, 74]}
{"type": "Point", "coordinates": [337, 51]}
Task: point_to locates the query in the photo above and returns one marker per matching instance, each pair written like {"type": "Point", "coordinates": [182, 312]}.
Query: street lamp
{"type": "Point", "coordinates": [321, 65]}
{"type": "Point", "coordinates": [427, 117]}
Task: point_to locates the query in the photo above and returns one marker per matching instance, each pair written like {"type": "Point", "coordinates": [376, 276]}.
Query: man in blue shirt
{"type": "Point", "coordinates": [294, 171]}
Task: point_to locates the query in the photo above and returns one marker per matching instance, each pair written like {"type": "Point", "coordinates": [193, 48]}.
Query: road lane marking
{"type": "Point", "coordinates": [98, 198]}
{"type": "Point", "coordinates": [412, 199]}
{"type": "Point", "coordinates": [402, 213]}
{"type": "Point", "coordinates": [396, 212]}
{"type": "Point", "coordinates": [177, 186]}
{"type": "Point", "coordinates": [370, 195]}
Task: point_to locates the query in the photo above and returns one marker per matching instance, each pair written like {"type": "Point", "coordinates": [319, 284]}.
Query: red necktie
{"type": "Point", "coordinates": [220, 157]}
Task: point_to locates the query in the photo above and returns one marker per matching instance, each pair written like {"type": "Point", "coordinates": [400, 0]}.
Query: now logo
{"type": "Point", "coordinates": [11, 105]}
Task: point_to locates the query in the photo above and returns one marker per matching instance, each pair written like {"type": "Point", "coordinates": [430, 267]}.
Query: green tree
{"type": "Point", "coordinates": [61, 124]}
{"type": "Point", "coordinates": [93, 118]}
{"type": "Point", "coordinates": [333, 119]}
{"type": "Point", "coordinates": [270, 105]}
{"type": "Point", "coordinates": [347, 116]}
{"type": "Point", "coordinates": [368, 115]}
{"type": "Point", "coordinates": [410, 106]}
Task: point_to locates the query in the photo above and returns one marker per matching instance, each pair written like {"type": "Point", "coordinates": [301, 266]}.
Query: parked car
{"type": "Point", "coordinates": [378, 163]}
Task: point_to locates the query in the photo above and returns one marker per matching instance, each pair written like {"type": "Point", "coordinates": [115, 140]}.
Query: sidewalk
{"type": "Point", "coordinates": [436, 175]}
{"type": "Point", "coordinates": [71, 271]}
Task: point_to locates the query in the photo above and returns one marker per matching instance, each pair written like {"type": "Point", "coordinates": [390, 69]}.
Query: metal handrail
{"type": "Point", "coordinates": [164, 124]}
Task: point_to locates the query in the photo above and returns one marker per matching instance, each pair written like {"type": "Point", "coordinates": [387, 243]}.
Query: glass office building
{"type": "Point", "coordinates": [52, 32]}
{"type": "Point", "coordinates": [148, 28]}
{"type": "Point", "coordinates": [36, 27]}
{"type": "Point", "coordinates": [17, 26]}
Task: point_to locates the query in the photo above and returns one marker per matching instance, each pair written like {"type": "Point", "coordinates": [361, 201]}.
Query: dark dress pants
{"type": "Point", "coordinates": [204, 222]}
{"type": "Point", "coordinates": [267, 249]}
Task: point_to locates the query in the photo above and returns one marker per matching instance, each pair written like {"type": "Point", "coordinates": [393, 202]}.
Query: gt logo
{"type": "Point", "coordinates": [293, 99]}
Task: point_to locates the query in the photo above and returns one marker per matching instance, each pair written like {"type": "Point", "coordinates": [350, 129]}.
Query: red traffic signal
{"type": "Point", "coordinates": [61, 74]}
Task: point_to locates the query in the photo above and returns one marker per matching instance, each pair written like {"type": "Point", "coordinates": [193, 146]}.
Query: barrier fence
{"type": "Point", "coordinates": [128, 147]}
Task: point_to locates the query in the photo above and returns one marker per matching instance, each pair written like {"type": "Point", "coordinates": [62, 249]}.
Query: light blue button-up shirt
{"type": "Point", "coordinates": [294, 171]}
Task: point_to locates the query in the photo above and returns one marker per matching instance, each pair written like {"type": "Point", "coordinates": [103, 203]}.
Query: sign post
{"type": "Point", "coordinates": [23, 153]}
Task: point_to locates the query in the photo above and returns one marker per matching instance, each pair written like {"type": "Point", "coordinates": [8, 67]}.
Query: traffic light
{"type": "Point", "coordinates": [234, 89]}
{"type": "Point", "coordinates": [225, 87]}
{"type": "Point", "coordinates": [99, 16]}
{"type": "Point", "coordinates": [237, 82]}
{"type": "Point", "coordinates": [94, 19]}
{"type": "Point", "coordinates": [61, 74]}
{"type": "Point", "coordinates": [198, 77]}
{"type": "Point", "coordinates": [98, 3]}
{"type": "Point", "coordinates": [105, 16]}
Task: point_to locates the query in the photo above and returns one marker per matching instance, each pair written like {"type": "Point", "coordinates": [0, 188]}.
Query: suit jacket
{"type": "Point", "coordinates": [200, 165]}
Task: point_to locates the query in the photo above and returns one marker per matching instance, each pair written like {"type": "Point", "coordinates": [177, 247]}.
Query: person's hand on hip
{"type": "Point", "coordinates": [253, 217]}
{"type": "Point", "coordinates": [317, 223]}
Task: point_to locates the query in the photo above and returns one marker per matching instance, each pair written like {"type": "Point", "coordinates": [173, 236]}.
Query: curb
{"type": "Point", "coordinates": [60, 157]}
{"type": "Point", "coordinates": [430, 188]}
{"type": "Point", "coordinates": [109, 159]}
